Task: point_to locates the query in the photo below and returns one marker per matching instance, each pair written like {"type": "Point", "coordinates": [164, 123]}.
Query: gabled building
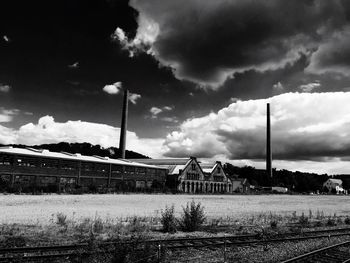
{"type": "Point", "coordinates": [193, 177]}
{"type": "Point", "coordinates": [334, 184]}
{"type": "Point", "coordinates": [216, 178]}
{"type": "Point", "coordinates": [240, 185]}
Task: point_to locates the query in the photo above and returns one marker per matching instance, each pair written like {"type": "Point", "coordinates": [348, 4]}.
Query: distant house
{"type": "Point", "coordinates": [334, 185]}
{"type": "Point", "coordinates": [279, 189]}
{"type": "Point", "coordinates": [240, 185]}
{"type": "Point", "coordinates": [193, 177]}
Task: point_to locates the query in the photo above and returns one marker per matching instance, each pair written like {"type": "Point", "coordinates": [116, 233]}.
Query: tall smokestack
{"type": "Point", "coordinates": [268, 142]}
{"type": "Point", "coordinates": [124, 124]}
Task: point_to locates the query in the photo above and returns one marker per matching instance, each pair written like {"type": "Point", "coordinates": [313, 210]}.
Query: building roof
{"type": "Point", "coordinates": [72, 156]}
{"type": "Point", "coordinates": [174, 165]}
{"type": "Point", "coordinates": [336, 181]}
{"type": "Point", "coordinates": [164, 161]}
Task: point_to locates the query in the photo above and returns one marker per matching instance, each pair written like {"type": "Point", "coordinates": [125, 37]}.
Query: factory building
{"type": "Point", "coordinates": [191, 176]}
{"type": "Point", "coordinates": [22, 168]}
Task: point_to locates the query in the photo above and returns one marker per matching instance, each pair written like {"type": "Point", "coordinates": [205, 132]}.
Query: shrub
{"type": "Point", "coordinates": [193, 217]}
{"type": "Point", "coordinates": [347, 220]}
{"type": "Point", "coordinates": [135, 225]}
{"type": "Point", "coordinates": [61, 219]}
{"type": "Point", "coordinates": [273, 223]}
{"type": "Point", "coordinates": [168, 220]}
{"type": "Point", "coordinates": [84, 226]}
{"type": "Point", "coordinates": [97, 225]}
{"type": "Point", "coordinates": [14, 241]}
{"type": "Point", "coordinates": [318, 224]}
{"type": "Point", "coordinates": [303, 220]}
{"type": "Point", "coordinates": [135, 250]}
{"type": "Point", "coordinates": [331, 222]}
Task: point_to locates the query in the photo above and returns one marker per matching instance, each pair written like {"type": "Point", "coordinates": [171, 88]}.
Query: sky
{"type": "Point", "coordinates": [199, 74]}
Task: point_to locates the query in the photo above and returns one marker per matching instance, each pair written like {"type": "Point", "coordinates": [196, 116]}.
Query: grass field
{"type": "Point", "coordinates": [27, 209]}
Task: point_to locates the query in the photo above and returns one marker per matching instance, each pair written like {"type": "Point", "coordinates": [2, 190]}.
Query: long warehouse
{"type": "Point", "coordinates": [28, 169]}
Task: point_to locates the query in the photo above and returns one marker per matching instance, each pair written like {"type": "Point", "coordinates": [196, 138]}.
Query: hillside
{"type": "Point", "coordinates": [84, 149]}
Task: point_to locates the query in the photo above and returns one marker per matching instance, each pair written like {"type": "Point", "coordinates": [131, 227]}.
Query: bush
{"type": "Point", "coordinates": [14, 241]}
{"type": "Point", "coordinates": [303, 220]}
{"type": "Point", "coordinates": [135, 250]}
{"type": "Point", "coordinates": [318, 224]}
{"type": "Point", "coordinates": [347, 220]}
{"type": "Point", "coordinates": [168, 220]}
{"type": "Point", "coordinates": [193, 217]}
{"type": "Point", "coordinates": [331, 222]}
{"type": "Point", "coordinates": [273, 223]}
{"type": "Point", "coordinates": [61, 219]}
{"type": "Point", "coordinates": [98, 225]}
{"type": "Point", "coordinates": [136, 225]}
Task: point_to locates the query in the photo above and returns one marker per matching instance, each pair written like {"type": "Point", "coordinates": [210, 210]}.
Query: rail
{"type": "Point", "coordinates": [328, 254]}
{"type": "Point", "coordinates": [84, 249]}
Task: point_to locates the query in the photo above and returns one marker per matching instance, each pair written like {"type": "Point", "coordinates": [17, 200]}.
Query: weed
{"type": "Point", "coordinates": [15, 241]}
{"type": "Point", "coordinates": [310, 214]}
{"type": "Point", "coordinates": [331, 222]}
{"type": "Point", "coordinates": [97, 225]}
{"type": "Point", "coordinates": [61, 219]}
{"type": "Point", "coordinates": [136, 225]}
{"type": "Point", "coordinates": [193, 217]}
{"type": "Point", "coordinates": [168, 220]}
{"type": "Point", "coordinates": [318, 224]}
{"type": "Point", "coordinates": [273, 224]}
{"type": "Point", "coordinates": [303, 220]}
{"type": "Point", "coordinates": [347, 220]}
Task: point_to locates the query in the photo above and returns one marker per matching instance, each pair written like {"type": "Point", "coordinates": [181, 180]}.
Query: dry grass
{"type": "Point", "coordinates": [27, 209]}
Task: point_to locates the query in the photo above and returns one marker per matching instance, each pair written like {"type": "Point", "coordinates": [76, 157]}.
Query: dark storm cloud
{"type": "Point", "coordinates": [208, 41]}
{"type": "Point", "coordinates": [333, 55]}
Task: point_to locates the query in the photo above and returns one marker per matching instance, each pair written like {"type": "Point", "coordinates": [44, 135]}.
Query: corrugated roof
{"type": "Point", "coordinates": [73, 156]}
{"type": "Point", "coordinates": [337, 181]}
{"type": "Point", "coordinates": [165, 161]}
{"type": "Point", "coordinates": [174, 165]}
{"type": "Point", "coordinates": [208, 167]}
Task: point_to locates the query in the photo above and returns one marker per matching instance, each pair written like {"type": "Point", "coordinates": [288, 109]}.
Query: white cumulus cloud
{"type": "Point", "coordinates": [155, 111]}
{"type": "Point", "coordinates": [4, 88]}
{"type": "Point", "coordinates": [6, 115]}
{"type": "Point", "coordinates": [134, 97]}
{"type": "Point", "coordinates": [113, 88]}
{"type": "Point", "coordinates": [305, 126]}
{"type": "Point", "coordinates": [310, 86]}
{"type": "Point", "coordinates": [47, 130]}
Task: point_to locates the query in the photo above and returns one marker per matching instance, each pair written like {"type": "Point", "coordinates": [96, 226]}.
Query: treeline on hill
{"type": "Point", "coordinates": [296, 181]}
{"type": "Point", "coordinates": [84, 149]}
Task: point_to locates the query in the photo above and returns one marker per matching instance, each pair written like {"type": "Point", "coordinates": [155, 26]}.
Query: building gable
{"type": "Point", "coordinates": [218, 174]}
{"type": "Point", "coordinates": [192, 171]}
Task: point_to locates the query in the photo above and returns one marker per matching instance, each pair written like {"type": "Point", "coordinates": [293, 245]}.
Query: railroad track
{"type": "Point", "coordinates": [39, 253]}
{"type": "Point", "coordinates": [339, 253]}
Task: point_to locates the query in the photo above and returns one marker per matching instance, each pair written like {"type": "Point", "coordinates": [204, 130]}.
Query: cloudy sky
{"type": "Point", "coordinates": [199, 73]}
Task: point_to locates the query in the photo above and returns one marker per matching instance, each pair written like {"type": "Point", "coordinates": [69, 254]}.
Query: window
{"type": "Point", "coordinates": [6, 160]}
{"type": "Point", "coordinates": [151, 171]}
{"type": "Point", "coordinates": [49, 163]}
{"type": "Point", "coordinates": [26, 161]}
{"type": "Point", "coordinates": [68, 165]}
{"type": "Point", "coordinates": [101, 167]}
{"type": "Point", "coordinates": [192, 176]}
{"type": "Point", "coordinates": [140, 170]}
{"type": "Point", "coordinates": [218, 178]}
{"type": "Point", "coordinates": [129, 169]}
{"type": "Point", "coordinates": [193, 166]}
{"type": "Point", "coordinates": [219, 170]}
{"type": "Point", "coordinates": [87, 166]}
